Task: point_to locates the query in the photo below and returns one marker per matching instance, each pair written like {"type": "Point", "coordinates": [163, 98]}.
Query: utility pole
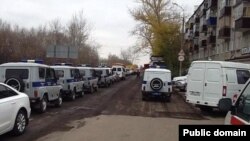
{"type": "Point", "coordinates": [181, 53]}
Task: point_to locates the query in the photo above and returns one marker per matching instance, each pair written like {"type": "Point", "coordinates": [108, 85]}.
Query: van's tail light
{"type": "Point", "coordinates": [236, 121]}
{"type": "Point", "coordinates": [235, 98]}
{"type": "Point", "coordinates": [224, 91]}
{"type": "Point", "coordinates": [35, 93]}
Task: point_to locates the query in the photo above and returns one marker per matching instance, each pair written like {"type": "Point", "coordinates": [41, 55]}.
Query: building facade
{"type": "Point", "coordinates": [219, 30]}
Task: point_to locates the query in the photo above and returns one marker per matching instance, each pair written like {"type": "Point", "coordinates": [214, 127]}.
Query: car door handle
{"type": "Point", "coordinates": [239, 90]}
{"type": "Point", "coordinates": [205, 84]}
{"type": "Point", "coordinates": [13, 103]}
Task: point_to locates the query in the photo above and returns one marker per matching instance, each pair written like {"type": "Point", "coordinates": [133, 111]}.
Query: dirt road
{"type": "Point", "coordinates": [122, 98]}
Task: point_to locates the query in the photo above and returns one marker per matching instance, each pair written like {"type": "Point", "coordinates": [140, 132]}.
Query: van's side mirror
{"type": "Point", "coordinates": [225, 104]}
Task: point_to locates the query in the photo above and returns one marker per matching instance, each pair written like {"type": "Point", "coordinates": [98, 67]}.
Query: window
{"type": "Point", "coordinates": [107, 73]}
{"type": "Point", "coordinates": [82, 72]}
{"type": "Point", "coordinates": [246, 12]}
{"type": "Point", "coordinates": [72, 73]}
{"type": "Point", "coordinates": [77, 73]}
{"type": "Point", "coordinates": [114, 69]}
{"type": "Point", "coordinates": [242, 76]}
{"type": "Point", "coordinates": [17, 73]}
{"type": "Point", "coordinates": [41, 73]}
{"type": "Point", "coordinates": [119, 69]}
{"type": "Point", "coordinates": [5, 92]}
{"type": "Point", "coordinates": [59, 73]}
{"type": "Point", "coordinates": [50, 73]}
{"type": "Point", "coordinates": [243, 105]}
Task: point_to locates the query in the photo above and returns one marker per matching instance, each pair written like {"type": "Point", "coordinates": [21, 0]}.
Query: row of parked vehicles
{"type": "Point", "coordinates": [32, 85]}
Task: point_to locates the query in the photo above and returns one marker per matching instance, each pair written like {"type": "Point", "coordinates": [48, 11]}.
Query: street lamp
{"type": "Point", "coordinates": [183, 32]}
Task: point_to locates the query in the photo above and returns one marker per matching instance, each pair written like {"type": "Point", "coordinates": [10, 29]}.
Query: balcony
{"type": "Point", "coordinates": [238, 2]}
{"type": "Point", "coordinates": [242, 24]}
{"type": "Point", "coordinates": [211, 39]}
{"type": "Point", "coordinates": [224, 33]}
{"type": "Point", "coordinates": [226, 11]}
{"type": "Point", "coordinates": [212, 21]}
{"type": "Point", "coordinates": [212, 4]}
{"type": "Point", "coordinates": [196, 34]}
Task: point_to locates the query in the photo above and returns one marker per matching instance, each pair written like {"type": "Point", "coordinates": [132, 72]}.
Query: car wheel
{"type": "Point", "coordinates": [43, 105]}
{"type": "Point", "coordinates": [59, 101]}
{"type": "Point", "coordinates": [81, 93]}
{"type": "Point", "coordinates": [96, 88]}
{"type": "Point", "coordinates": [91, 90]}
{"type": "Point", "coordinates": [73, 95]}
{"type": "Point", "coordinates": [144, 98]}
{"type": "Point", "coordinates": [20, 123]}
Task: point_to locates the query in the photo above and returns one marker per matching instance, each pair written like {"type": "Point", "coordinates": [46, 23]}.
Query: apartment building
{"type": "Point", "coordinates": [219, 30]}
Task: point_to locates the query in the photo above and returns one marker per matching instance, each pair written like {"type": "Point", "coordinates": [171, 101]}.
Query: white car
{"type": "Point", "coordinates": [180, 82]}
{"type": "Point", "coordinates": [14, 109]}
{"type": "Point", "coordinates": [157, 83]}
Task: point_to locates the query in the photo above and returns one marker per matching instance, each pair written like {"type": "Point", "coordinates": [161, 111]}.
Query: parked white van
{"type": "Point", "coordinates": [210, 81]}
{"type": "Point", "coordinates": [120, 70]}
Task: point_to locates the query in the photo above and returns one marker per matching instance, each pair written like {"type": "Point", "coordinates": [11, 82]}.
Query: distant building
{"type": "Point", "coordinates": [219, 30]}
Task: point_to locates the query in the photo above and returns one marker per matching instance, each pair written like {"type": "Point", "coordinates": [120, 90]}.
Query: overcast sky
{"type": "Point", "coordinates": [110, 20]}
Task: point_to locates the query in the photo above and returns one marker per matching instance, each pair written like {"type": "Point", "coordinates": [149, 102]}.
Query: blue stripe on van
{"type": "Point", "coordinates": [72, 80]}
{"type": "Point", "coordinates": [91, 78]}
{"type": "Point", "coordinates": [42, 84]}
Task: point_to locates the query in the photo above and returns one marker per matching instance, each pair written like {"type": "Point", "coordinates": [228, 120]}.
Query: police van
{"type": "Point", "coordinates": [37, 80]}
{"type": "Point", "coordinates": [104, 79]}
{"type": "Point", "coordinates": [70, 79]}
{"type": "Point", "coordinates": [90, 78]}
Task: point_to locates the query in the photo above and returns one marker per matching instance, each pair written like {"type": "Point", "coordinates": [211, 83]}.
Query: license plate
{"type": "Point", "coordinates": [156, 93]}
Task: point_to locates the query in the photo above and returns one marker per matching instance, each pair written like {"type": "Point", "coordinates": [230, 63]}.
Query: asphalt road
{"type": "Point", "coordinates": [121, 99]}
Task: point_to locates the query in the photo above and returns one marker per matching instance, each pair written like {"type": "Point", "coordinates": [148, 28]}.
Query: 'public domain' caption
{"type": "Point", "coordinates": [215, 133]}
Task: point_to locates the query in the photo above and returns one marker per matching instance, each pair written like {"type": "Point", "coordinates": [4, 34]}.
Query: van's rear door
{"type": "Point", "coordinates": [195, 83]}
{"type": "Point", "coordinates": [213, 84]}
